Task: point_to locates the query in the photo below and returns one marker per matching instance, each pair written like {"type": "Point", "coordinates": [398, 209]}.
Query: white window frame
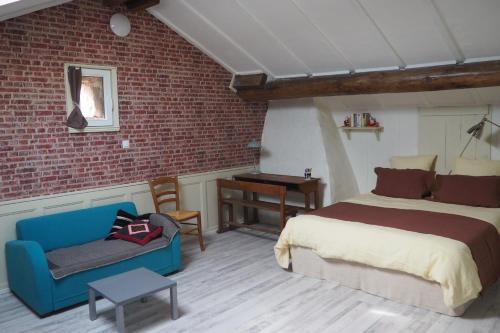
{"type": "Point", "coordinates": [110, 90]}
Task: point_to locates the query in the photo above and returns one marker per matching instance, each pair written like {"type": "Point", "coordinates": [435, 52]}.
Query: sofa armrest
{"type": "Point", "coordinates": [176, 251]}
{"type": "Point", "coordinates": [28, 274]}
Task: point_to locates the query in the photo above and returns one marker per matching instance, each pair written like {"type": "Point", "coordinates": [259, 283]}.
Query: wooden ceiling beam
{"type": "Point", "coordinates": [472, 75]}
{"type": "Point", "coordinates": [113, 3]}
{"type": "Point", "coordinates": [249, 80]}
{"type": "Point", "coordinates": [132, 5]}
{"type": "Point", "coordinates": [141, 4]}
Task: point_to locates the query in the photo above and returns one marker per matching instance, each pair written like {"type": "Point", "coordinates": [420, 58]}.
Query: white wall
{"type": "Point", "coordinates": [399, 137]}
{"type": "Point", "coordinates": [198, 192]}
{"type": "Point", "coordinates": [344, 184]}
{"type": "Point", "coordinates": [297, 135]}
{"type": "Point", "coordinates": [292, 141]}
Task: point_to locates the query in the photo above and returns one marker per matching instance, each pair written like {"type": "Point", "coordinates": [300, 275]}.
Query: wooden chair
{"type": "Point", "coordinates": [161, 195]}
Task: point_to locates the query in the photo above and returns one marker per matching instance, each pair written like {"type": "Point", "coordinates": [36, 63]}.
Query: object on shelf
{"type": "Point", "coordinates": [358, 120]}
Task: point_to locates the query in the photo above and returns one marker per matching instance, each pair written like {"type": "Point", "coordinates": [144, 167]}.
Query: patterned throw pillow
{"type": "Point", "coordinates": [140, 233]}
{"type": "Point", "coordinates": [123, 219]}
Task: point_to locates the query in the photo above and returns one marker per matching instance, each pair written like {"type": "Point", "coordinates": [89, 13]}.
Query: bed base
{"type": "Point", "coordinates": [393, 285]}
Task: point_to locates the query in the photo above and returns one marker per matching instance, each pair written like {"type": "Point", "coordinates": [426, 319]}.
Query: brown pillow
{"type": "Point", "coordinates": [404, 183]}
{"type": "Point", "coordinates": [480, 191]}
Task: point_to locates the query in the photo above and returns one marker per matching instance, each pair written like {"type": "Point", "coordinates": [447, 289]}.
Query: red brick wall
{"type": "Point", "coordinates": [174, 102]}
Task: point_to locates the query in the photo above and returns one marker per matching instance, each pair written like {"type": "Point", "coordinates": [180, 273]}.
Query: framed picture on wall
{"type": "Point", "coordinates": [98, 98]}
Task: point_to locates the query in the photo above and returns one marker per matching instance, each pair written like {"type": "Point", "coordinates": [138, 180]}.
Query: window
{"type": "Point", "coordinates": [98, 98]}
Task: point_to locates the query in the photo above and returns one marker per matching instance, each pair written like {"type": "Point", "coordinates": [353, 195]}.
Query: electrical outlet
{"type": "Point", "coordinates": [125, 144]}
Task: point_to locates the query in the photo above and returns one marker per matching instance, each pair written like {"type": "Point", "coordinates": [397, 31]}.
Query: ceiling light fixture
{"type": "Point", "coordinates": [120, 25]}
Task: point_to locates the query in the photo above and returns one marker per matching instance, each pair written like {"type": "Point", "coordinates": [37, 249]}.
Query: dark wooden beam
{"type": "Point", "coordinates": [113, 3]}
{"type": "Point", "coordinates": [473, 75]}
{"type": "Point", "coordinates": [141, 4]}
{"type": "Point", "coordinates": [249, 81]}
{"type": "Point", "coordinates": [132, 5]}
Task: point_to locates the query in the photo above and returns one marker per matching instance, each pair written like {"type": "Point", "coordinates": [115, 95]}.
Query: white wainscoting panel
{"type": "Point", "coordinates": [198, 192]}
{"type": "Point", "coordinates": [443, 131]}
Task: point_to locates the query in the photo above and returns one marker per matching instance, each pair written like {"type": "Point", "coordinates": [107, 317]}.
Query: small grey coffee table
{"type": "Point", "coordinates": [128, 287]}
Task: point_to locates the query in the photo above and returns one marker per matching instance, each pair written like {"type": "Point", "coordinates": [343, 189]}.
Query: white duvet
{"type": "Point", "coordinates": [446, 261]}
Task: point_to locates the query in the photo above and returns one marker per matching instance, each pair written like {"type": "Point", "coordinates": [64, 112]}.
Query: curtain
{"type": "Point", "coordinates": [75, 118]}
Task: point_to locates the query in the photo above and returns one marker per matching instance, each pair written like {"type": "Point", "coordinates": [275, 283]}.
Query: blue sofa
{"type": "Point", "coordinates": [27, 268]}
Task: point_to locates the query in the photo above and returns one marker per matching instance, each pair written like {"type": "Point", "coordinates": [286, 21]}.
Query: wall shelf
{"type": "Point", "coordinates": [376, 130]}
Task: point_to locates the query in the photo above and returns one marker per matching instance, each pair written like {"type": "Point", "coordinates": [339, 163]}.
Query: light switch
{"type": "Point", "coordinates": [125, 144]}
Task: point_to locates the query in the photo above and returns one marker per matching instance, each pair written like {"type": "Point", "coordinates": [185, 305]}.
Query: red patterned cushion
{"type": "Point", "coordinates": [140, 233]}
{"type": "Point", "coordinates": [123, 219]}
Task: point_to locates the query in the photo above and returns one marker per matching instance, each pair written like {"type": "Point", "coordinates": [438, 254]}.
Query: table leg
{"type": "Point", "coordinates": [174, 313]}
{"type": "Point", "coordinates": [120, 319]}
{"type": "Point", "coordinates": [255, 214]}
{"type": "Point", "coordinates": [307, 201]}
{"type": "Point", "coordinates": [231, 215]}
{"type": "Point", "coordinates": [316, 199]}
{"type": "Point", "coordinates": [220, 213]}
{"type": "Point", "coordinates": [92, 308]}
{"type": "Point", "coordinates": [245, 209]}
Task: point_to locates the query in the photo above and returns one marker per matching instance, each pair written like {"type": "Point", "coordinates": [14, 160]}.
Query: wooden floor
{"type": "Point", "coordinates": [236, 286]}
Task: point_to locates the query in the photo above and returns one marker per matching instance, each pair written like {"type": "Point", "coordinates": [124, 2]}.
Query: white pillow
{"type": "Point", "coordinates": [422, 162]}
{"type": "Point", "coordinates": [464, 166]}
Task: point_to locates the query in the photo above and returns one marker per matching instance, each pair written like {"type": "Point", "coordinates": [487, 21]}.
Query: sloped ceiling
{"type": "Point", "coordinates": [13, 8]}
{"type": "Point", "coordinates": [287, 38]}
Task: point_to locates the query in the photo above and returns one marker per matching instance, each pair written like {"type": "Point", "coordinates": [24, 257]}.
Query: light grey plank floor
{"type": "Point", "coordinates": [236, 286]}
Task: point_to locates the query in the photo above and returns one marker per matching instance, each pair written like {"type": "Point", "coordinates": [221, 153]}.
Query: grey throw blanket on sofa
{"type": "Point", "coordinates": [70, 260]}
{"type": "Point", "coordinates": [170, 226]}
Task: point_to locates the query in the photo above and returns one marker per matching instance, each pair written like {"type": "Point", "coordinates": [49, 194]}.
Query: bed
{"type": "Point", "coordinates": [428, 254]}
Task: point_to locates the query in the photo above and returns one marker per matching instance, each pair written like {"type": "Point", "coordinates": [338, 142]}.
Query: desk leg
{"type": "Point", "coordinates": [245, 209]}
{"type": "Point", "coordinates": [307, 201]}
{"type": "Point", "coordinates": [231, 214]}
{"type": "Point", "coordinates": [316, 199]}
{"type": "Point", "coordinates": [120, 319]}
{"type": "Point", "coordinates": [220, 213]}
{"type": "Point", "coordinates": [92, 308]}
{"type": "Point", "coordinates": [255, 213]}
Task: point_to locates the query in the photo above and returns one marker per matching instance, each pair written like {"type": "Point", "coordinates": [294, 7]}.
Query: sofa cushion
{"type": "Point", "coordinates": [70, 260]}
{"type": "Point", "coordinates": [123, 219]}
{"type": "Point", "coordinates": [139, 233]}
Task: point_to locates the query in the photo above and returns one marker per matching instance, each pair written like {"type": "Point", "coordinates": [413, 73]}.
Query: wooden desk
{"type": "Point", "coordinates": [292, 184]}
{"type": "Point", "coordinates": [276, 191]}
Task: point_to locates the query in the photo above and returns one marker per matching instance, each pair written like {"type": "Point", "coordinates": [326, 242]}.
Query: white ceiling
{"type": "Point", "coordinates": [14, 8]}
{"type": "Point", "coordinates": [287, 38]}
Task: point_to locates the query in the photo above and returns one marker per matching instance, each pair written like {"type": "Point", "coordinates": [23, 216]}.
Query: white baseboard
{"type": "Point", "coordinates": [198, 192]}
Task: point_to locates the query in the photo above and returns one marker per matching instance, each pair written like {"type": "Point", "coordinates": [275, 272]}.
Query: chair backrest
{"type": "Point", "coordinates": [71, 228]}
{"type": "Point", "coordinates": [162, 192]}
